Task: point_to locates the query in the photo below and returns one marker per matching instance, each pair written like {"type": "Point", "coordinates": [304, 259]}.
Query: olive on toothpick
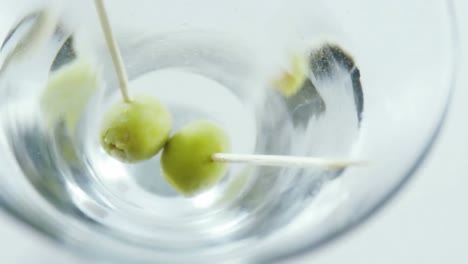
{"type": "Point", "coordinates": [136, 130]}
{"type": "Point", "coordinates": [186, 160]}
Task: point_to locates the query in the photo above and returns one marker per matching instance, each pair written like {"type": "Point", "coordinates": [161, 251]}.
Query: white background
{"type": "Point", "coordinates": [426, 223]}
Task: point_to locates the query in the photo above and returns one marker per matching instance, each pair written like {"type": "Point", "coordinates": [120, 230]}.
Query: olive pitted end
{"type": "Point", "coordinates": [136, 130]}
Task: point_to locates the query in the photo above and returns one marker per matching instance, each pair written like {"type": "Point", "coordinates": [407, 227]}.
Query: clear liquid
{"type": "Point", "coordinates": [198, 76]}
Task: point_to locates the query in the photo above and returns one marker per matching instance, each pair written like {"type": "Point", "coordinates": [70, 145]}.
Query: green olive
{"type": "Point", "coordinates": [68, 91]}
{"type": "Point", "coordinates": [290, 82]}
{"type": "Point", "coordinates": [186, 160]}
{"type": "Point", "coordinates": [137, 130]}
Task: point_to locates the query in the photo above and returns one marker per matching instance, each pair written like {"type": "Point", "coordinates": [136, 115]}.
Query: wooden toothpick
{"type": "Point", "coordinates": [113, 49]}
{"type": "Point", "coordinates": [285, 161]}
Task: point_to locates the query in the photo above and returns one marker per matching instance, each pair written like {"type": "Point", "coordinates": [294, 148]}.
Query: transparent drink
{"type": "Point", "coordinates": [376, 88]}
